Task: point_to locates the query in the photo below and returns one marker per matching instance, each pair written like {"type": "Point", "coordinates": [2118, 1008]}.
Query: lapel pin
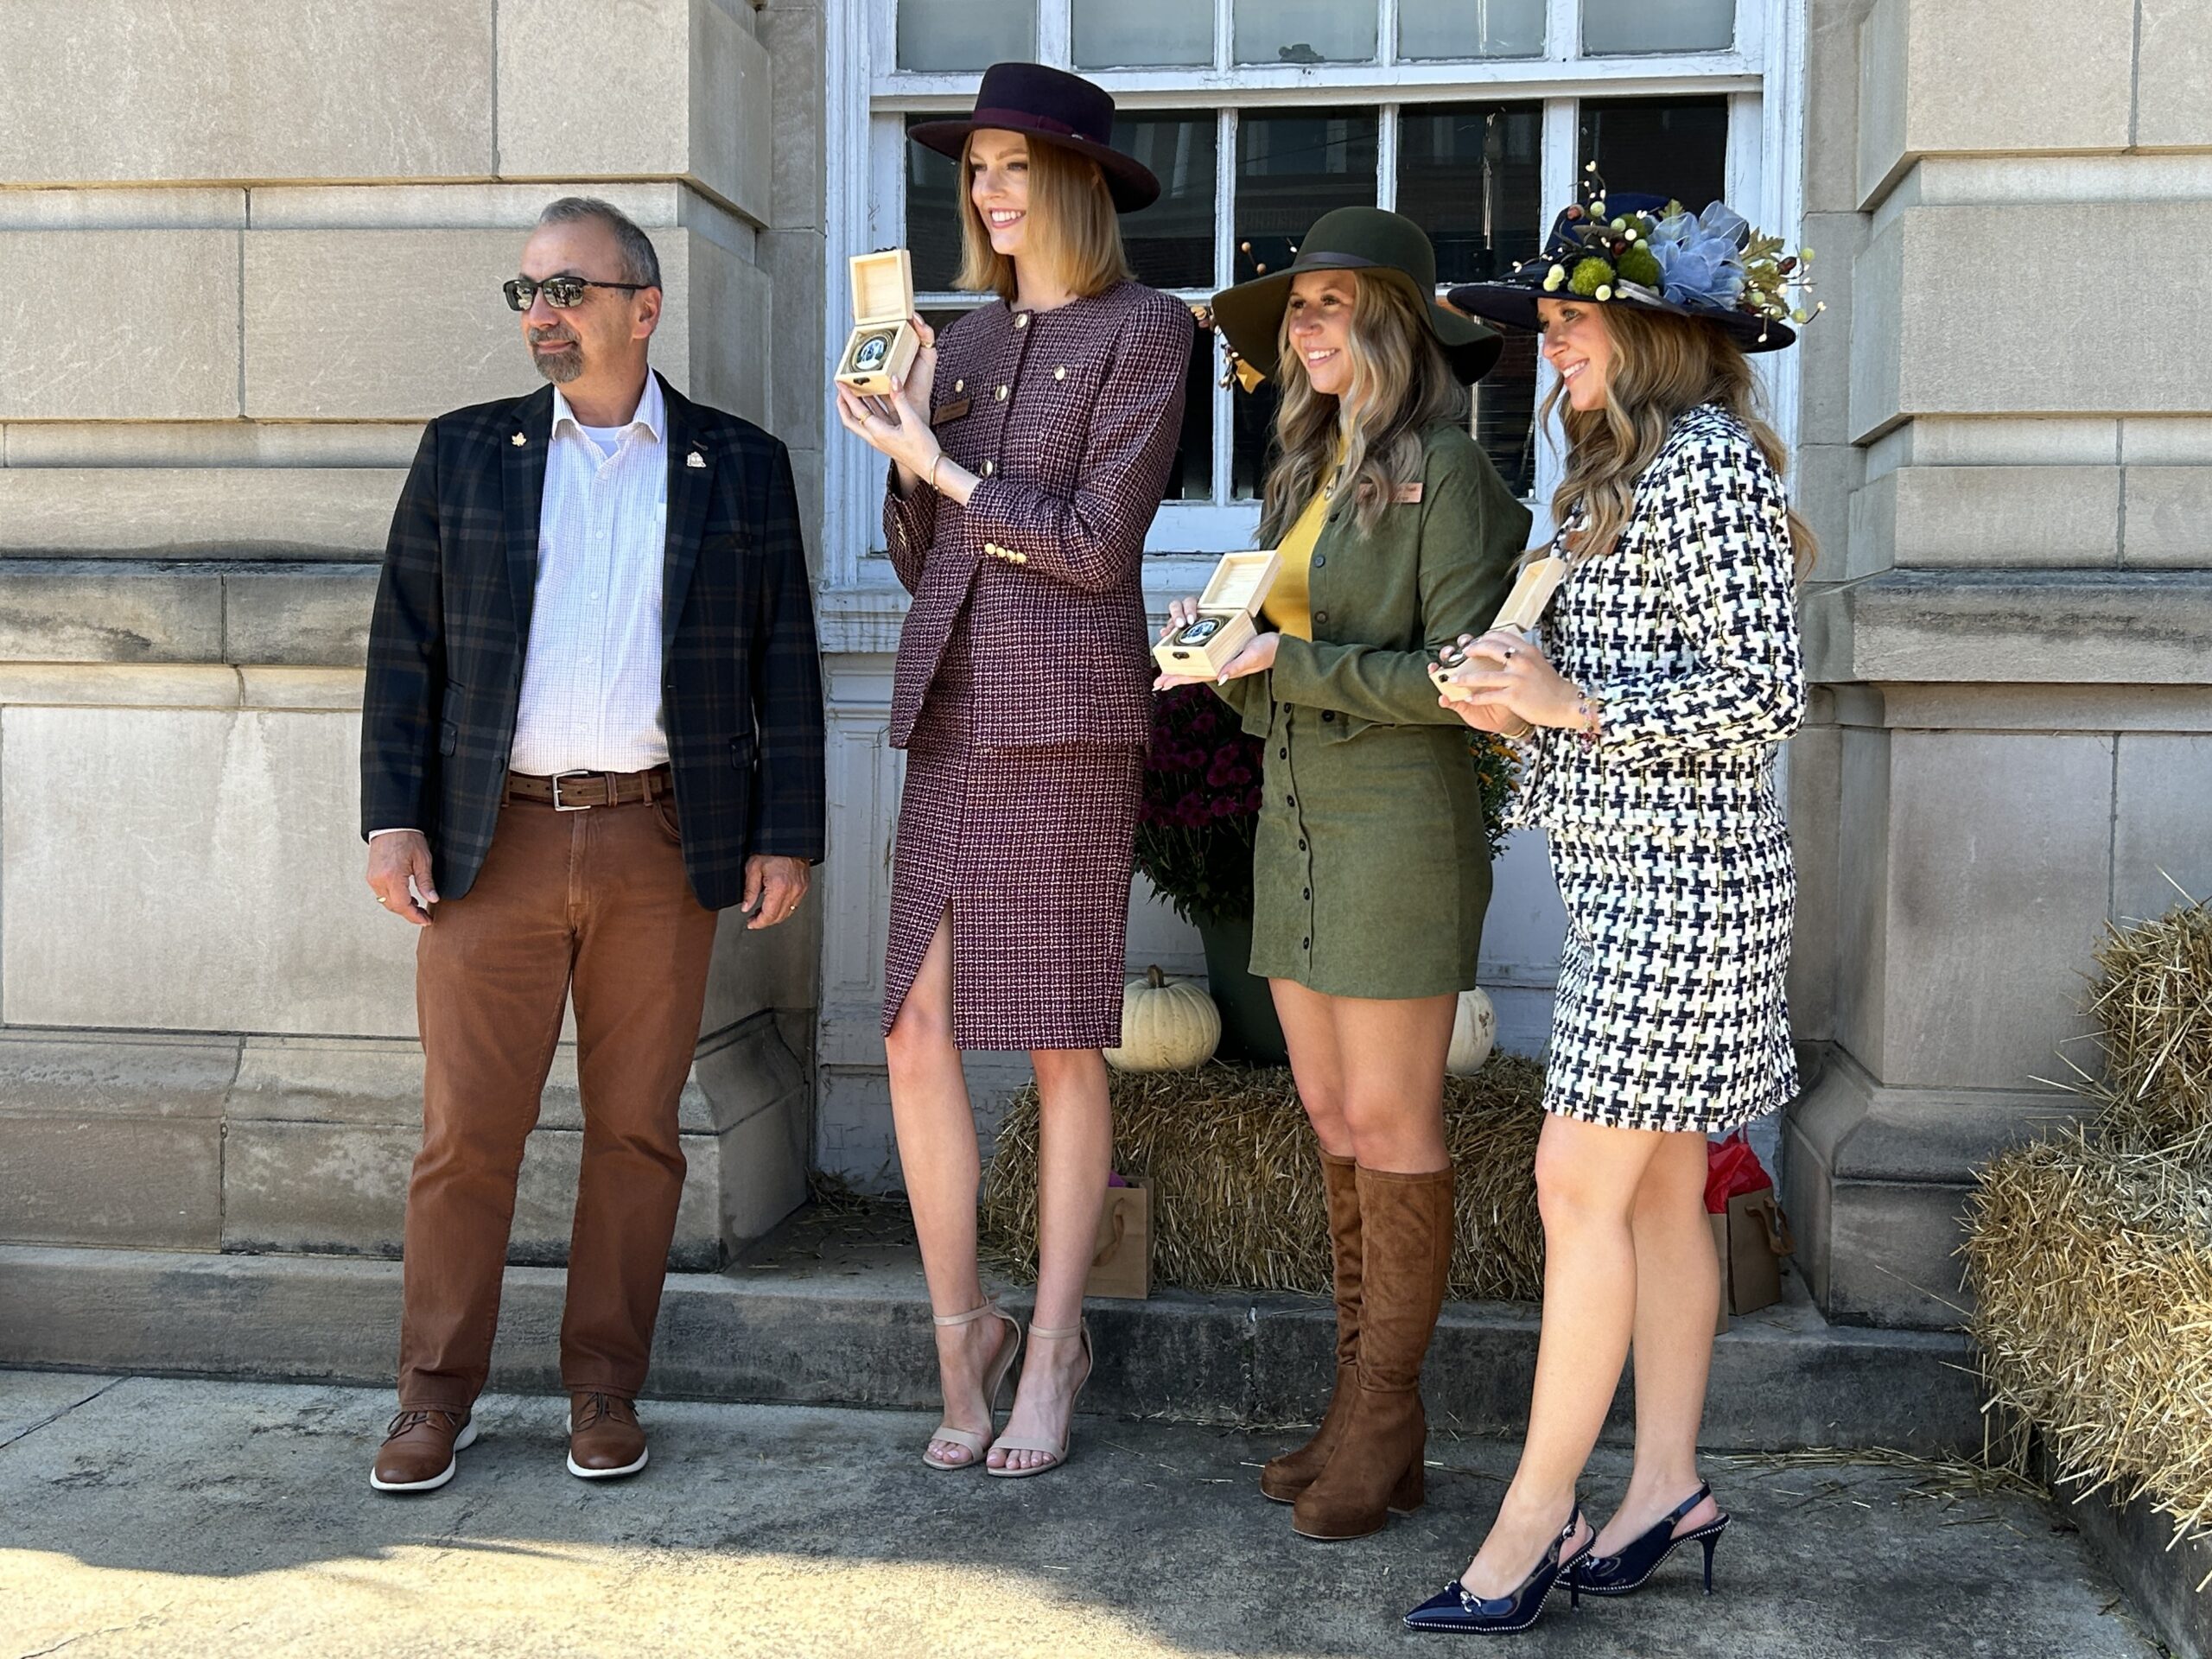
{"type": "Point", "coordinates": [695, 459]}
{"type": "Point", "coordinates": [518, 440]}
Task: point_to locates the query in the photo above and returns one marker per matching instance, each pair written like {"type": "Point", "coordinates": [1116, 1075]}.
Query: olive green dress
{"type": "Point", "coordinates": [1370, 868]}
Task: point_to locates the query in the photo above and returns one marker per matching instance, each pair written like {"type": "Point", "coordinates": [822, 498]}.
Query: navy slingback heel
{"type": "Point", "coordinates": [1455, 1608]}
{"type": "Point", "coordinates": [1619, 1575]}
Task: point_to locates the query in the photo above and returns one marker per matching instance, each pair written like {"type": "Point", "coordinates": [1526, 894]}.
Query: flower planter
{"type": "Point", "coordinates": [1251, 1032]}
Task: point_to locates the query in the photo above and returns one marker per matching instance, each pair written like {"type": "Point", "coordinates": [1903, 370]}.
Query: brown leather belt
{"type": "Point", "coordinates": [574, 792]}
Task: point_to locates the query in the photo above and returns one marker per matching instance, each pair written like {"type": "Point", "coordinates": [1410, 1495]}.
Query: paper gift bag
{"type": "Point", "coordinates": [1758, 1238]}
{"type": "Point", "coordinates": [1121, 1264]}
{"type": "Point", "coordinates": [1749, 1234]}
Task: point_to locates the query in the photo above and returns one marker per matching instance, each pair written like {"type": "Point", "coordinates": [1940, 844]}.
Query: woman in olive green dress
{"type": "Point", "coordinates": [1370, 867]}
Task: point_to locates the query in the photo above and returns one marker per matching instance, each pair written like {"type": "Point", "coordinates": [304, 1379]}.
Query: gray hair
{"type": "Point", "coordinates": [639, 263]}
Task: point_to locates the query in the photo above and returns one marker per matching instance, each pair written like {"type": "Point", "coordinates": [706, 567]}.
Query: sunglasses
{"type": "Point", "coordinates": [560, 292]}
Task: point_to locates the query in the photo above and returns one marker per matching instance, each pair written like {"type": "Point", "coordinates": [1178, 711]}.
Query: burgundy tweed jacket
{"type": "Point", "coordinates": [1069, 418]}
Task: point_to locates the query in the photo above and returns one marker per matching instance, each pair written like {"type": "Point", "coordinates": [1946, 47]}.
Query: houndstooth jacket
{"type": "Point", "coordinates": [1687, 631]}
{"type": "Point", "coordinates": [1069, 417]}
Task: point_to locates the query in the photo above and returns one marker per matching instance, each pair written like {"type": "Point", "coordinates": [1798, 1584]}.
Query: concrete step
{"type": "Point", "coordinates": [831, 1310]}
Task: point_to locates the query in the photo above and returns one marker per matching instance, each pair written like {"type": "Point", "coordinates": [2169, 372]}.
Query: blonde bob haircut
{"type": "Point", "coordinates": [1663, 366]}
{"type": "Point", "coordinates": [1401, 385]}
{"type": "Point", "coordinates": [1074, 232]}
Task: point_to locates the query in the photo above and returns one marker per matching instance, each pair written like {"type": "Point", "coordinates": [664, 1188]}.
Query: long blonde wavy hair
{"type": "Point", "coordinates": [1401, 382]}
{"type": "Point", "coordinates": [1661, 366]}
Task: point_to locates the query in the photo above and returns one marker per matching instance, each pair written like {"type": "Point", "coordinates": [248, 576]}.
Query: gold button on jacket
{"type": "Point", "coordinates": [1070, 467]}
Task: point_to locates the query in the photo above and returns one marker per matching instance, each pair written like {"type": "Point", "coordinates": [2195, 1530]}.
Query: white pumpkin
{"type": "Point", "coordinates": [1474, 1033]}
{"type": "Point", "coordinates": [1167, 1024]}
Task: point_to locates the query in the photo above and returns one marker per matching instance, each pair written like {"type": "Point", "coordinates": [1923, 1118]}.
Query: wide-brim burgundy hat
{"type": "Point", "coordinates": [1052, 105]}
{"type": "Point", "coordinates": [1512, 299]}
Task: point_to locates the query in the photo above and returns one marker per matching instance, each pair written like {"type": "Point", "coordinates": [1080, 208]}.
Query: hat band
{"type": "Point", "coordinates": [1016, 119]}
{"type": "Point", "coordinates": [1326, 261]}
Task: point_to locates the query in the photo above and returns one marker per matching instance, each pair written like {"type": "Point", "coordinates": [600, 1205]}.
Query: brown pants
{"type": "Point", "coordinates": [597, 899]}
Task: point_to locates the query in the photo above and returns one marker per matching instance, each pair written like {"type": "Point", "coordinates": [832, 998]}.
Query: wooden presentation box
{"type": "Point", "coordinates": [883, 344]}
{"type": "Point", "coordinates": [1227, 618]}
{"type": "Point", "coordinates": [1522, 610]}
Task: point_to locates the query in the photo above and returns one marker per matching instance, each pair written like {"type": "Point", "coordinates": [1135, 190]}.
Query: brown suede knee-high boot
{"type": "Point", "coordinates": [1405, 1223]}
{"type": "Point", "coordinates": [1286, 1477]}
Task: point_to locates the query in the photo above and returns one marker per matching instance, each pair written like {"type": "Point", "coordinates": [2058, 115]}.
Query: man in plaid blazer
{"type": "Point", "coordinates": [592, 719]}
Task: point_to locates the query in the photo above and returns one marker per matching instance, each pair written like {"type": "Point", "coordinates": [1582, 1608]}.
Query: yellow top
{"type": "Point", "coordinates": [1289, 605]}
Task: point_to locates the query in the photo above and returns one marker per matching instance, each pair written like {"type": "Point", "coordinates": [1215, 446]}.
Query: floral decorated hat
{"type": "Point", "coordinates": [1655, 255]}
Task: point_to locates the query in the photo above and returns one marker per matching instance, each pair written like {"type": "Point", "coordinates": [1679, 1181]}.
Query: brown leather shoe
{"type": "Point", "coordinates": [605, 1437]}
{"type": "Point", "coordinates": [1286, 1477]}
{"type": "Point", "coordinates": [419, 1451]}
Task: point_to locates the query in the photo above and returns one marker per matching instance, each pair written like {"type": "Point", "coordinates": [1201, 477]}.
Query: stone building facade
{"type": "Point", "coordinates": [246, 248]}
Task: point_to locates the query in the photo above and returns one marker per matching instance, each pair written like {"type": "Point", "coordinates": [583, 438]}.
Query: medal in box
{"type": "Point", "coordinates": [884, 343]}
{"type": "Point", "coordinates": [1522, 610]}
{"type": "Point", "coordinates": [1225, 623]}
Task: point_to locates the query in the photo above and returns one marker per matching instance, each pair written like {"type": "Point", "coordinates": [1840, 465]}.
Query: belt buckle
{"type": "Point", "coordinates": [557, 779]}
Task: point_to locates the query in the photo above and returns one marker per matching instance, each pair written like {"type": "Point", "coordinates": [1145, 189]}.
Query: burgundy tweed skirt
{"type": "Point", "coordinates": [1030, 850]}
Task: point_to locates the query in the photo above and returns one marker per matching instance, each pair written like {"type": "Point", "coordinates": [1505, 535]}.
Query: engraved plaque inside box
{"type": "Point", "coordinates": [1522, 610]}
{"type": "Point", "coordinates": [884, 343]}
{"type": "Point", "coordinates": [1226, 620]}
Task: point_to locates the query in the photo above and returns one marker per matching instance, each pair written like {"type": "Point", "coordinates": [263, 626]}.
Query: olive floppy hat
{"type": "Point", "coordinates": [1387, 245]}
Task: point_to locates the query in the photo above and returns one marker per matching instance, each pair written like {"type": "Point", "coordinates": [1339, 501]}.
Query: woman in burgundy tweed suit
{"type": "Point", "coordinates": [1016, 515]}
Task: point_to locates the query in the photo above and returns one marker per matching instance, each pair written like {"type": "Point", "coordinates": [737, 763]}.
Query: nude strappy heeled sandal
{"type": "Point", "coordinates": [1058, 1453]}
{"type": "Point", "coordinates": [993, 1380]}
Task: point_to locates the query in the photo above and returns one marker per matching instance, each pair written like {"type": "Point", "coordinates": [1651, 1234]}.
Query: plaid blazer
{"type": "Point", "coordinates": [741, 684]}
{"type": "Point", "coordinates": [1069, 417]}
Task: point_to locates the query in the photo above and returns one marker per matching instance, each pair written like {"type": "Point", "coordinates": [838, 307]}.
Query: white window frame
{"type": "Point", "coordinates": [868, 100]}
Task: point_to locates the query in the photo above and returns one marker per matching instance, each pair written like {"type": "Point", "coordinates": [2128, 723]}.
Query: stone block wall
{"type": "Point", "coordinates": [249, 249]}
{"type": "Point", "coordinates": [2007, 452]}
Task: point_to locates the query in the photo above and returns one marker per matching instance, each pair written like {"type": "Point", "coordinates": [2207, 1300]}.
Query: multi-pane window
{"type": "Point", "coordinates": [1474, 117]}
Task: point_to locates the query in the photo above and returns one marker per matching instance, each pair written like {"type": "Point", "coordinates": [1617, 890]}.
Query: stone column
{"type": "Point", "coordinates": [247, 249]}
{"type": "Point", "coordinates": [2007, 452]}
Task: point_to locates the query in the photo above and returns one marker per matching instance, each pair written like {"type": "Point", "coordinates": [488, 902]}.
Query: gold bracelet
{"type": "Point", "coordinates": [934, 465]}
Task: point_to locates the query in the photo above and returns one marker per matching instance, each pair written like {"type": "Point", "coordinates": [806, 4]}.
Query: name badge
{"type": "Point", "coordinates": [1407, 492]}
{"type": "Point", "coordinates": [951, 411]}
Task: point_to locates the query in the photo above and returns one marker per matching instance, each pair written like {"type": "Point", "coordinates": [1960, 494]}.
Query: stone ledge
{"type": "Point", "coordinates": [826, 1328]}
{"type": "Point", "coordinates": [1866, 1131]}
{"type": "Point", "coordinates": [137, 610]}
{"type": "Point", "coordinates": [2012, 627]}
{"type": "Point", "coordinates": [2132, 1540]}
{"type": "Point", "coordinates": [1876, 1182]}
{"type": "Point", "coordinates": [293, 513]}
{"type": "Point", "coordinates": [1961, 706]}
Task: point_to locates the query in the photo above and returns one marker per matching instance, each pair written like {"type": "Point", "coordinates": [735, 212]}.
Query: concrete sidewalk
{"type": "Point", "coordinates": [183, 1519]}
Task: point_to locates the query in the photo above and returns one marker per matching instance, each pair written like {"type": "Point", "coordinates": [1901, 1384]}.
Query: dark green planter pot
{"type": "Point", "coordinates": [1250, 1033]}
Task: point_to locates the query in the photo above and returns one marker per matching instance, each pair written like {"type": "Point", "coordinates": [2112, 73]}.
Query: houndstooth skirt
{"type": "Point", "coordinates": [1671, 1012]}
{"type": "Point", "coordinates": [1030, 851]}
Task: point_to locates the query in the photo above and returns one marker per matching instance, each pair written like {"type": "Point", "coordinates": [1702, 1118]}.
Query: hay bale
{"type": "Point", "coordinates": [1237, 1192]}
{"type": "Point", "coordinates": [2152, 1003]}
{"type": "Point", "coordinates": [2092, 1270]}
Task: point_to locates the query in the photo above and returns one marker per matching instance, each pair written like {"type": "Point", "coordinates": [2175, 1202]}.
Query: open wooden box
{"type": "Point", "coordinates": [1226, 620]}
{"type": "Point", "coordinates": [883, 344]}
{"type": "Point", "coordinates": [1522, 610]}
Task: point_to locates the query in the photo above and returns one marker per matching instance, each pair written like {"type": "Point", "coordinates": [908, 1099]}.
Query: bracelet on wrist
{"type": "Point", "coordinates": [1590, 710]}
{"type": "Point", "coordinates": [932, 479]}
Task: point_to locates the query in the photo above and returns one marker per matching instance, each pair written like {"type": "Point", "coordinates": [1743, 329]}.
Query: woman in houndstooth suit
{"type": "Point", "coordinates": [1016, 517]}
{"type": "Point", "coordinates": [1669, 671]}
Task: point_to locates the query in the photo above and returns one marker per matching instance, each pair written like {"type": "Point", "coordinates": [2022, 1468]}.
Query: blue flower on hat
{"type": "Point", "coordinates": [1700, 258]}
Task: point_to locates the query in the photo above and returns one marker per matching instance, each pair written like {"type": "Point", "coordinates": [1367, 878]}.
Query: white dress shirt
{"type": "Point", "coordinates": [591, 675]}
